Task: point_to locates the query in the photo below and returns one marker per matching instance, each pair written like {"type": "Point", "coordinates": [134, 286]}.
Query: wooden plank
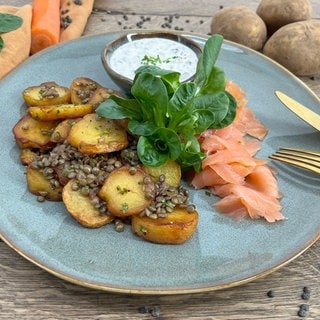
{"type": "Point", "coordinates": [29, 293]}
{"type": "Point", "coordinates": [167, 7]}
{"type": "Point", "coordinates": [204, 8]}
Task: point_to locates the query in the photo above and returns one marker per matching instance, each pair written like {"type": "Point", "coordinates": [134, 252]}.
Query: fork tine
{"type": "Point", "coordinates": [306, 159]}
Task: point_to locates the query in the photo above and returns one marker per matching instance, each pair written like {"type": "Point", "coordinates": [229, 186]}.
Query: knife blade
{"type": "Point", "coordinates": [309, 116]}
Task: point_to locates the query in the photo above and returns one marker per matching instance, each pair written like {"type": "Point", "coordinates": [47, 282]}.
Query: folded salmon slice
{"type": "Point", "coordinates": [256, 203]}
{"type": "Point", "coordinates": [246, 185]}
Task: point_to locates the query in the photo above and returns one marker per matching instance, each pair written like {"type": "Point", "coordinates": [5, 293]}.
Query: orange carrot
{"type": "Point", "coordinates": [45, 25]}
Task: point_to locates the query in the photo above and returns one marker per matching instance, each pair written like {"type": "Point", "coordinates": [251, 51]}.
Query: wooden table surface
{"type": "Point", "coordinates": [28, 292]}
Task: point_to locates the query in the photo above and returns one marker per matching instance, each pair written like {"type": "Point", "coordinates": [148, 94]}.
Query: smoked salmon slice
{"type": "Point", "coordinates": [246, 185]}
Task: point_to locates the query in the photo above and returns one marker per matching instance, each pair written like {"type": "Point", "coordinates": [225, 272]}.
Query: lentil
{"type": "Point", "coordinates": [64, 162]}
{"type": "Point", "coordinates": [270, 294]}
{"type": "Point", "coordinates": [302, 313]}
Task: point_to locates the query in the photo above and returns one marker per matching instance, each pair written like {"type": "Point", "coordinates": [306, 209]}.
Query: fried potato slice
{"type": "Point", "coordinates": [102, 94]}
{"type": "Point", "coordinates": [46, 93]}
{"type": "Point", "coordinates": [170, 169]}
{"type": "Point", "coordinates": [82, 89]}
{"type": "Point", "coordinates": [39, 185]}
{"type": "Point", "coordinates": [93, 134]}
{"type": "Point", "coordinates": [61, 131]}
{"type": "Point", "coordinates": [81, 208]}
{"type": "Point", "coordinates": [85, 90]}
{"type": "Point", "coordinates": [27, 156]}
{"type": "Point", "coordinates": [60, 111]}
{"type": "Point", "coordinates": [176, 228]}
{"type": "Point", "coordinates": [124, 192]}
{"type": "Point", "coordinates": [32, 133]}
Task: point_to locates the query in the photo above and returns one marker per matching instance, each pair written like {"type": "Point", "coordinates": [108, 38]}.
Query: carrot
{"type": "Point", "coordinates": [74, 17]}
{"type": "Point", "coordinates": [45, 25]}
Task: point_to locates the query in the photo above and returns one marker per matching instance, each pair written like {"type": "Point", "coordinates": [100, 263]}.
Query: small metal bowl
{"type": "Point", "coordinates": [125, 81]}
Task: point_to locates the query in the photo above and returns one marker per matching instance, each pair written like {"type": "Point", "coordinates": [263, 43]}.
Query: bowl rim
{"type": "Point", "coordinates": [131, 36]}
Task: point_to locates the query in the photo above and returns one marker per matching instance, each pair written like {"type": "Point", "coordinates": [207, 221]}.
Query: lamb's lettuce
{"type": "Point", "coordinates": [167, 115]}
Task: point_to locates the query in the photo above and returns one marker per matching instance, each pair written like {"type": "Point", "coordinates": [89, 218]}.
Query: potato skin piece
{"type": "Point", "coordinates": [32, 133]}
{"type": "Point", "coordinates": [39, 185]}
{"type": "Point", "coordinates": [93, 135]}
{"type": "Point", "coordinates": [176, 228]}
{"type": "Point", "coordinates": [46, 93]}
{"type": "Point", "coordinates": [124, 192]}
{"type": "Point", "coordinates": [82, 210]}
{"type": "Point", "coordinates": [240, 24]}
{"type": "Point", "coordinates": [296, 46]}
{"type": "Point", "coordinates": [277, 13]}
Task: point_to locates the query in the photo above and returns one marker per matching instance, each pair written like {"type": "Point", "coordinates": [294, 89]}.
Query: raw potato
{"type": "Point", "coordinates": [277, 13]}
{"type": "Point", "coordinates": [60, 111]}
{"type": "Point", "coordinates": [170, 169]}
{"type": "Point", "coordinates": [32, 133]}
{"type": "Point", "coordinates": [240, 24]}
{"type": "Point", "coordinates": [124, 192]}
{"type": "Point", "coordinates": [46, 93]}
{"type": "Point", "coordinates": [176, 228]}
{"type": "Point", "coordinates": [39, 185]}
{"type": "Point", "coordinates": [81, 208]}
{"type": "Point", "coordinates": [297, 47]}
{"type": "Point", "coordinates": [93, 134]}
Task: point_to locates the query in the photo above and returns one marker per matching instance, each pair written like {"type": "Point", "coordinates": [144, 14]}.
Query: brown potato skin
{"type": "Point", "coordinates": [93, 135]}
{"type": "Point", "coordinates": [33, 95]}
{"type": "Point", "coordinates": [277, 13]}
{"type": "Point", "coordinates": [32, 133]}
{"type": "Point", "coordinates": [124, 192]}
{"type": "Point", "coordinates": [37, 184]}
{"type": "Point", "coordinates": [176, 228]}
{"type": "Point", "coordinates": [240, 24]}
{"type": "Point", "coordinates": [82, 210]}
{"type": "Point", "coordinates": [296, 46]}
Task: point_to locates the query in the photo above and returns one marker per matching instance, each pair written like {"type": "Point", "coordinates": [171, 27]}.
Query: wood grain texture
{"type": "Point", "coordinates": [30, 293]}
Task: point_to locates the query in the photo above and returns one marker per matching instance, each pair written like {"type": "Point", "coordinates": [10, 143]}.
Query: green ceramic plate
{"type": "Point", "coordinates": [222, 253]}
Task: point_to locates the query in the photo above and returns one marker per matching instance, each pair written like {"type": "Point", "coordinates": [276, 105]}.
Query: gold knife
{"type": "Point", "coordinates": [300, 110]}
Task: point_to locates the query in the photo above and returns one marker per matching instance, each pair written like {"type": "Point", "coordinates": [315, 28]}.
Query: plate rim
{"type": "Point", "coordinates": [171, 289]}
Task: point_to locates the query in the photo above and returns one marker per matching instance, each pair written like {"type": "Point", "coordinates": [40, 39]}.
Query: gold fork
{"type": "Point", "coordinates": [307, 159]}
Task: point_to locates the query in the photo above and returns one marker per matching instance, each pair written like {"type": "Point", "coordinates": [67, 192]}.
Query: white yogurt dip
{"type": "Point", "coordinates": [164, 53]}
